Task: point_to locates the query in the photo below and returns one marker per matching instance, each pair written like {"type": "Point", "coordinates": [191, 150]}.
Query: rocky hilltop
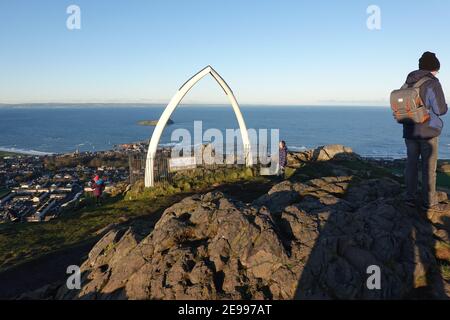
{"type": "Point", "coordinates": [311, 236]}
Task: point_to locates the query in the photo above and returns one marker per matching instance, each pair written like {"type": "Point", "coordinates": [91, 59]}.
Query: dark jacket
{"type": "Point", "coordinates": [283, 157]}
{"type": "Point", "coordinates": [433, 96]}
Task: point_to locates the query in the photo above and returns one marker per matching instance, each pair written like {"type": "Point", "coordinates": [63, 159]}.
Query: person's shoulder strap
{"type": "Point", "coordinates": [422, 81]}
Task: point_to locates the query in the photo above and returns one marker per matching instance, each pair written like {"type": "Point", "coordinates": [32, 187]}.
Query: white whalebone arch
{"type": "Point", "coordinates": [174, 102]}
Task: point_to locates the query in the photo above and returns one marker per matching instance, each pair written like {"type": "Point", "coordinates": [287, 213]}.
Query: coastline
{"type": "Point", "coordinates": [18, 151]}
{"type": "Point", "coordinates": [294, 149]}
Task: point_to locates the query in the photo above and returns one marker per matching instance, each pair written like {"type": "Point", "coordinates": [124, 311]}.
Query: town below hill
{"type": "Point", "coordinates": [40, 188]}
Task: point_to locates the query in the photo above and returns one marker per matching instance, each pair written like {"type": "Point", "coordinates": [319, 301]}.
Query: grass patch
{"type": "Point", "coordinates": [358, 168]}
{"type": "Point", "coordinates": [193, 180]}
{"type": "Point", "coordinates": [289, 172]}
{"type": "Point", "coordinates": [444, 267]}
{"type": "Point", "coordinates": [8, 154]}
{"type": "Point", "coordinates": [443, 179]}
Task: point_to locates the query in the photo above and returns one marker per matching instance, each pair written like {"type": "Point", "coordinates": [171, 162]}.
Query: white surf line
{"type": "Point", "coordinates": [26, 152]}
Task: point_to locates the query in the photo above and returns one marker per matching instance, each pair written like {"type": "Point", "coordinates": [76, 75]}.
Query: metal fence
{"type": "Point", "coordinates": [137, 167]}
{"type": "Point", "coordinates": [137, 162]}
{"type": "Point", "coordinates": [166, 166]}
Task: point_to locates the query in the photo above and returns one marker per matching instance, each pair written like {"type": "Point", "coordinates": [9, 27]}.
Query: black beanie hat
{"type": "Point", "coordinates": [429, 62]}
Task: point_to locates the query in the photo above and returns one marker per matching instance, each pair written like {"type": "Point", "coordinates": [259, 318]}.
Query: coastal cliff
{"type": "Point", "coordinates": [311, 236]}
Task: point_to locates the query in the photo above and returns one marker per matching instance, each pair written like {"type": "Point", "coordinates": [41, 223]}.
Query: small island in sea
{"type": "Point", "coordinates": [152, 122]}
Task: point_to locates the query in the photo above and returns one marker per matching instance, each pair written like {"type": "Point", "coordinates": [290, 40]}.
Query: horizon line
{"type": "Point", "coordinates": [342, 104]}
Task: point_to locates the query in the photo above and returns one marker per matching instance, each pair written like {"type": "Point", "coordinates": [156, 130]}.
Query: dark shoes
{"type": "Point", "coordinates": [441, 199]}
{"type": "Point", "coordinates": [437, 208]}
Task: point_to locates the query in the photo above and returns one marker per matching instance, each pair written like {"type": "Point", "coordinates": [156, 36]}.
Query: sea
{"type": "Point", "coordinates": [62, 128]}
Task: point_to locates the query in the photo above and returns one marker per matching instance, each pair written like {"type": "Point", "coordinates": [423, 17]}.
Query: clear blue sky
{"type": "Point", "coordinates": [271, 52]}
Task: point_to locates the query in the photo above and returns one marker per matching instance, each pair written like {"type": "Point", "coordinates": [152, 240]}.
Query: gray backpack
{"type": "Point", "coordinates": [407, 105]}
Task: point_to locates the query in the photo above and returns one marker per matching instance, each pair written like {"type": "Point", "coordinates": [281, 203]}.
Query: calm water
{"type": "Point", "coordinates": [369, 131]}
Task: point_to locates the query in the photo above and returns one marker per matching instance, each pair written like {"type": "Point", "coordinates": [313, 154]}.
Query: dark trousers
{"type": "Point", "coordinates": [428, 151]}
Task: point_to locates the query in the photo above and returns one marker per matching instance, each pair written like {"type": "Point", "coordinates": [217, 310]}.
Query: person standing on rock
{"type": "Point", "coordinates": [422, 139]}
{"type": "Point", "coordinates": [282, 153]}
{"type": "Point", "coordinates": [97, 186]}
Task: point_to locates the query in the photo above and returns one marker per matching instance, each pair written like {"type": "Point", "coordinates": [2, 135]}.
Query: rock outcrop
{"type": "Point", "coordinates": [324, 153]}
{"type": "Point", "coordinates": [307, 238]}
